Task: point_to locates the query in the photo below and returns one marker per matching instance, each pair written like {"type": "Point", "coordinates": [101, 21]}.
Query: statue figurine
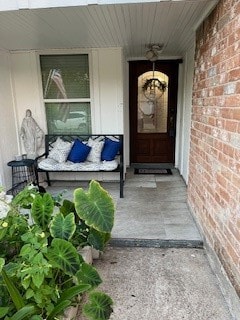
{"type": "Point", "coordinates": [32, 135]}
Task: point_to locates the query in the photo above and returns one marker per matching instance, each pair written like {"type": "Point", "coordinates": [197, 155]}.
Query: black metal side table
{"type": "Point", "coordinates": [23, 173]}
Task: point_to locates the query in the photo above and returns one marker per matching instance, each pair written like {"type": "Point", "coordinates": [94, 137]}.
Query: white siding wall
{"type": "Point", "coordinates": [108, 90]}
{"type": "Point", "coordinates": [8, 130]}
{"type": "Point", "coordinates": [27, 88]}
{"type": "Point", "coordinates": [184, 113]}
{"type": "Point", "coordinates": [107, 97]}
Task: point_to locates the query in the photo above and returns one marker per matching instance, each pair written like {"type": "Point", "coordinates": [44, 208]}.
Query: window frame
{"type": "Point", "coordinates": [70, 100]}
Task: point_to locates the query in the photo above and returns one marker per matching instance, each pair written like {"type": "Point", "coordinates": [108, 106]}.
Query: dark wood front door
{"type": "Point", "coordinates": [153, 108]}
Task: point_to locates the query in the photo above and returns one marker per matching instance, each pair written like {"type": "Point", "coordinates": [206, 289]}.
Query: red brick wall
{"type": "Point", "coordinates": [214, 169]}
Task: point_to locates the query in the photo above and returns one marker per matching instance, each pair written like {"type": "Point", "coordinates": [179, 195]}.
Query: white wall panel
{"type": "Point", "coordinates": [8, 142]}
{"type": "Point", "coordinates": [95, 93]}
{"type": "Point", "coordinates": [106, 68]}
{"type": "Point", "coordinates": [184, 114]}
{"type": "Point", "coordinates": [27, 88]}
{"type": "Point", "coordinates": [111, 90]}
{"type": "Point", "coordinates": [107, 88]}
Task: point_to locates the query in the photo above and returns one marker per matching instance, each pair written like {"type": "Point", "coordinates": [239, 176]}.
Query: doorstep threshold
{"type": "Point", "coordinates": [153, 165]}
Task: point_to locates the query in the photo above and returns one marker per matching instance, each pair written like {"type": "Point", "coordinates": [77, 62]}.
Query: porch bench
{"type": "Point", "coordinates": [96, 152]}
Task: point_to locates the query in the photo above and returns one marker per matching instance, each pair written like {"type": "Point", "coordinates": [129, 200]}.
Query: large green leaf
{"type": "Point", "coordinates": [13, 291]}
{"type": "Point", "coordinates": [3, 311]}
{"type": "Point", "coordinates": [63, 255]}
{"type": "Point", "coordinates": [98, 239]}
{"type": "Point", "coordinates": [70, 293]}
{"type": "Point", "coordinates": [95, 207]}
{"type": "Point", "coordinates": [67, 207]}
{"type": "Point", "coordinates": [88, 274]}
{"type": "Point", "coordinates": [42, 210]}
{"type": "Point", "coordinates": [2, 262]}
{"type": "Point", "coordinates": [65, 299]}
{"type": "Point", "coordinates": [25, 197]}
{"type": "Point", "coordinates": [3, 232]}
{"type": "Point", "coordinates": [99, 306]}
{"type": "Point", "coordinates": [59, 309]}
{"type": "Point", "coordinates": [63, 227]}
{"type": "Point", "coordinates": [24, 313]}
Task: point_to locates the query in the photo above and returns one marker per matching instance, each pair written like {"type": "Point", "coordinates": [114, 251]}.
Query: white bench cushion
{"type": "Point", "coordinates": [53, 165]}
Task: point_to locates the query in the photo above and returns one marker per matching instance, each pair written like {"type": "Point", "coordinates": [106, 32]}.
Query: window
{"type": "Point", "coordinates": [66, 92]}
{"type": "Point", "coordinates": [152, 102]}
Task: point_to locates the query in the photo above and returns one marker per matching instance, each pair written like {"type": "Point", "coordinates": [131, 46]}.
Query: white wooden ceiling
{"type": "Point", "coordinates": [131, 26]}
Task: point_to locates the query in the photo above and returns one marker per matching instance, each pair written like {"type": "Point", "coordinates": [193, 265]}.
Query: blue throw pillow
{"type": "Point", "coordinates": [79, 151]}
{"type": "Point", "coordinates": [110, 149]}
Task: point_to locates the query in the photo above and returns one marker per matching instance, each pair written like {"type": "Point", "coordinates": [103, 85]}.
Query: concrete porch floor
{"type": "Point", "coordinates": [155, 267]}
{"type": "Point", "coordinates": [153, 212]}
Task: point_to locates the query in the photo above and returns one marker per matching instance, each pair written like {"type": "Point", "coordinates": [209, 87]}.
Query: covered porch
{"type": "Point", "coordinates": [203, 34]}
{"type": "Point", "coordinates": [153, 212]}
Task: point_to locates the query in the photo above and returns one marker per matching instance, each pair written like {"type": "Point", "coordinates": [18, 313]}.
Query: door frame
{"type": "Point", "coordinates": [174, 85]}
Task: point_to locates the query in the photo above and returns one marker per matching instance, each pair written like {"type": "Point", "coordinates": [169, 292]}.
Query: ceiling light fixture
{"type": "Point", "coordinates": [153, 88]}
{"type": "Point", "coordinates": [153, 50]}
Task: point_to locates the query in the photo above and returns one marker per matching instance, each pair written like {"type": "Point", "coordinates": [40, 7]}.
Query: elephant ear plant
{"type": "Point", "coordinates": [41, 270]}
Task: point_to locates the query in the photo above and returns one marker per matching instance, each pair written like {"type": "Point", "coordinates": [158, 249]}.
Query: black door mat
{"type": "Point", "coordinates": [152, 171]}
